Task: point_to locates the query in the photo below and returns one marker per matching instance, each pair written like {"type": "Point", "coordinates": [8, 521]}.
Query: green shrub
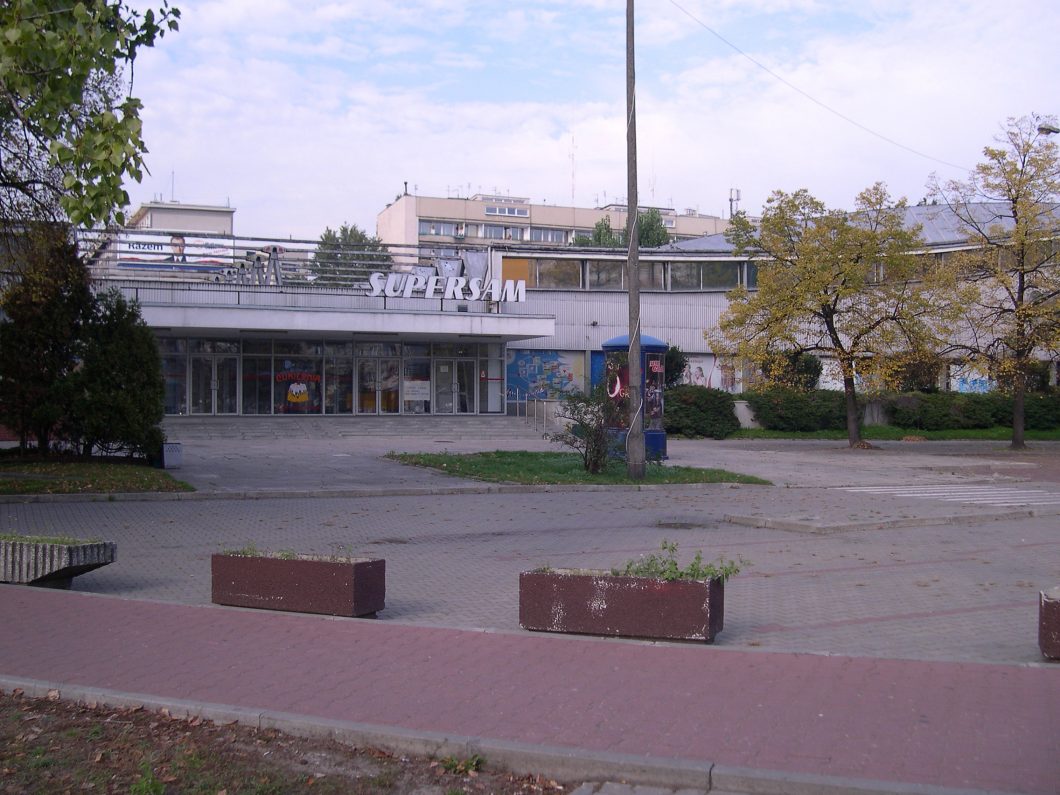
{"type": "Point", "coordinates": [788, 410]}
{"type": "Point", "coordinates": [1042, 410]}
{"type": "Point", "coordinates": [943, 411]}
{"type": "Point", "coordinates": [697, 411]}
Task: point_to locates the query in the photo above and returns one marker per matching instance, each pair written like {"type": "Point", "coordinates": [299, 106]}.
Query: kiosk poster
{"type": "Point", "coordinates": [544, 374]}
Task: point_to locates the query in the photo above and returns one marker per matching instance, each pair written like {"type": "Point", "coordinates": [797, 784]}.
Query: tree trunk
{"type": "Point", "coordinates": [853, 429]}
{"type": "Point", "coordinates": [1018, 413]}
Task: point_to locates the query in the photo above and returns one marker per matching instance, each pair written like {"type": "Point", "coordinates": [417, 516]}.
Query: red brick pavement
{"type": "Point", "coordinates": [956, 725]}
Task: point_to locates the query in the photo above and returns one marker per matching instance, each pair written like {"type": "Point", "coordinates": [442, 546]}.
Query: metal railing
{"type": "Point", "coordinates": [536, 411]}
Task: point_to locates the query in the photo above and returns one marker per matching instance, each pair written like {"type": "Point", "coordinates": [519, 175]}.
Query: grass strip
{"type": "Point", "coordinates": [883, 433]}
{"type": "Point", "coordinates": [517, 466]}
{"type": "Point", "coordinates": [83, 477]}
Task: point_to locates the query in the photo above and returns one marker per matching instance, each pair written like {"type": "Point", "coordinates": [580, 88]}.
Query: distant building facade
{"type": "Point", "coordinates": [486, 219]}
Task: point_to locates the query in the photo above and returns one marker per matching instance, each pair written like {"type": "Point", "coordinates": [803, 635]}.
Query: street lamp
{"type": "Point", "coordinates": [1048, 129]}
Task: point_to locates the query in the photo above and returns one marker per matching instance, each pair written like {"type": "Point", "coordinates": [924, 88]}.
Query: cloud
{"type": "Point", "coordinates": [308, 116]}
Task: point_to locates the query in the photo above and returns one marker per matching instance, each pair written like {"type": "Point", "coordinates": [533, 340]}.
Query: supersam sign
{"type": "Point", "coordinates": [459, 288]}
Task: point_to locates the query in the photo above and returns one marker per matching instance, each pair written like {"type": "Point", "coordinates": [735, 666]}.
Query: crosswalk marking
{"type": "Point", "coordinates": [999, 496]}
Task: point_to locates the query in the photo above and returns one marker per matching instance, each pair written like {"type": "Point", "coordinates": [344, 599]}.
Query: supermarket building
{"type": "Point", "coordinates": [257, 326]}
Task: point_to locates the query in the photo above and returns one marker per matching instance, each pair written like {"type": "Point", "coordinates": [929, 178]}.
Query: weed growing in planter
{"type": "Point", "coordinates": [666, 567]}
{"type": "Point", "coordinates": [46, 539]}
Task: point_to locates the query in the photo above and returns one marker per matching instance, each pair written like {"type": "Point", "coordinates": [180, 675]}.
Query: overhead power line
{"type": "Point", "coordinates": [808, 96]}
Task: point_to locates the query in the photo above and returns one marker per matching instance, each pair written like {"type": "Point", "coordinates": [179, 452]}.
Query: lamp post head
{"type": "Point", "coordinates": [1048, 129]}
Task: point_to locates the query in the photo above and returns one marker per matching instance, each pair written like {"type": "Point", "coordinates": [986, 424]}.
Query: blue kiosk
{"type": "Point", "coordinates": [653, 382]}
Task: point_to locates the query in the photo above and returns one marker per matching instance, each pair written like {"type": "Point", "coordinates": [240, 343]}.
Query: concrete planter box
{"type": "Point", "coordinates": [1049, 622]}
{"type": "Point", "coordinates": [593, 602]}
{"type": "Point", "coordinates": [52, 564]}
{"type": "Point", "coordinates": [303, 584]}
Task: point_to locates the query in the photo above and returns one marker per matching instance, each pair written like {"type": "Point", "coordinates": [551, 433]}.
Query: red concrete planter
{"type": "Point", "coordinates": [592, 602]}
{"type": "Point", "coordinates": [1049, 623]}
{"type": "Point", "coordinates": [304, 584]}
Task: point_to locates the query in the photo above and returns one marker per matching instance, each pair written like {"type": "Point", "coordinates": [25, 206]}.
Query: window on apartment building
{"type": "Point", "coordinates": [541, 235]}
{"type": "Point", "coordinates": [438, 228]}
{"type": "Point", "coordinates": [494, 232]}
{"type": "Point", "coordinates": [518, 212]}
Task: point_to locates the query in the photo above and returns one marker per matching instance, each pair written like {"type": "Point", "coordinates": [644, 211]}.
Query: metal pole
{"type": "Point", "coordinates": [635, 464]}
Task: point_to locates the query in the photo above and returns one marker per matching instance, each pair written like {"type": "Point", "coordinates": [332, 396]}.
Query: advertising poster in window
{"type": "Point", "coordinates": [704, 370]}
{"type": "Point", "coordinates": [544, 374]}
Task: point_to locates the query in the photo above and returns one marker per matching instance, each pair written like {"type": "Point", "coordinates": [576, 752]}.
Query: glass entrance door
{"type": "Point", "coordinates": [214, 384]}
{"type": "Point", "coordinates": [378, 386]}
{"type": "Point", "coordinates": [454, 391]}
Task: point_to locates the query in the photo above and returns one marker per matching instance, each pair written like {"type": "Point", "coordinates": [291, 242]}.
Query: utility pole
{"type": "Point", "coordinates": [635, 463]}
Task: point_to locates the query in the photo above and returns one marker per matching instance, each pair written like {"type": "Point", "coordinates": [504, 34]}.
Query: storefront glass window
{"type": "Point", "coordinates": [341, 349]}
{"type": "Point", "coordinates": [298, 348]}
{"type": "Point", "coordinates": [378, 349]}
{"type": "Point", "coordinates": [175, 374]}
{"type": "Point", "coordinates": [297, 386]}
{"type": "Point", "coordinates": [213, 346]}
{"type": "Point", "coordinates": [417, 349]}
{"type": "Point", "coordinates": [751, 282]}
{"type": "Point", "coordinates": [684, 275]}
{"type": "Point", "coordinates": [257, 380]}
{"type": "Point", "coordinates": [416, 386]}
{"type": "Point", "coordinates": [720, 275]}
{"type": "Point", "coordinates": [491, 385]}
{"type": "Point", "coordinates": [338, 385]}
{"type": "Point", "coordinates": [559, 274]}
{"type": "Point", "coordinates": [172, 345]}
{"type": "Point", "coordinates": [260, 347]}
{"type": "Point", "coordinates": [651, 275]}
{"type": "Point", "coordinates": [605, 275]}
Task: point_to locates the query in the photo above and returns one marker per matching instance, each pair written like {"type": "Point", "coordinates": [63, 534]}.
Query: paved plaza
{"type": "Point", "coordinates": [911, 572]}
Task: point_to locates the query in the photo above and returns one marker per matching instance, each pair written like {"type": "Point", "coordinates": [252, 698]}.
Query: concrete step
{"type": "Point", "coordinates": [325, 427]}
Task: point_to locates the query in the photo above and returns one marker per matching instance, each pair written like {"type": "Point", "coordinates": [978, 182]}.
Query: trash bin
{"type": "Point", "coordinates": [171, 455]}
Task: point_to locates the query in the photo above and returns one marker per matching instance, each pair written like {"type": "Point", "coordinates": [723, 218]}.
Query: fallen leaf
{"type": "Point", "coordinates": [53, 695]}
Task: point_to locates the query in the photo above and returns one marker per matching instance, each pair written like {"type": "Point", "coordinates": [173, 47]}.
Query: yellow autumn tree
{"type": "Point", "coordinates": [847, 285]}
{"type": "Point", "coordinates": [1009, 296]}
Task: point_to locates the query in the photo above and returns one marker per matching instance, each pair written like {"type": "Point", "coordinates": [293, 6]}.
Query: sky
{"type": "Point", "coordinates": [305, 115]}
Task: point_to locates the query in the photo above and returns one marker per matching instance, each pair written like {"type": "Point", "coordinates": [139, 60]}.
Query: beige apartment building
{"type": "Point", "coordinates": [487, 219]}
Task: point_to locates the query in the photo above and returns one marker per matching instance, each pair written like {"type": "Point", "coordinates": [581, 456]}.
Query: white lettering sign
{"type": "Point", "coordinates": [455, 288]}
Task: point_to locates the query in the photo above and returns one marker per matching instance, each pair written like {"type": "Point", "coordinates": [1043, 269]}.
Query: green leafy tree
{"type": "Point", "coordinates": [830, 282]}
{"type": "Point", "coordinates": [68, 139]}
{"type": "Point", "coordinates": [604, 236]}
{"type": "Point", "coordinates": [675, 363]}
{"type": "Point", "coordinates": [117, 389]}
{"type": "Point", "coordinates": [46, 305]}
{"type": "Point", "coordinates": [1009, 293]}
{"type": "Point", "coordinates": [346, 257]}
{"type": "Point", "coordinates": [651, 232]}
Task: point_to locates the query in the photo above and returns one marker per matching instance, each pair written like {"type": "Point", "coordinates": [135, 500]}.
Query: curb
{"type": "Point", "coordinates": [410, 491]}
{"type": "Point", "coordinates": [816, 528]}
{"type": "Point", "coordinates": [573, 764]}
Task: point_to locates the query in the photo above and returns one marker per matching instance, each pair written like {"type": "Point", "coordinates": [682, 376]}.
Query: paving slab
{"type": "Point", "coordinates": [953, 725]}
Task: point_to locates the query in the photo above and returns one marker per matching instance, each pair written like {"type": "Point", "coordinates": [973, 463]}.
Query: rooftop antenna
{"type": "Point", "coordinates": [734, 201]}
{"type": "Point", "coordinates": [172, 186]}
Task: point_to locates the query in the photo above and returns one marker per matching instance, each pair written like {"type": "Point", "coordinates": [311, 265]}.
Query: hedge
{"type": "Point", "coordinates": [697, 411]}
{"type": "Point", "coordinates": [780, 409]}
{"type": "Point", "coordinates": [954, 410]}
